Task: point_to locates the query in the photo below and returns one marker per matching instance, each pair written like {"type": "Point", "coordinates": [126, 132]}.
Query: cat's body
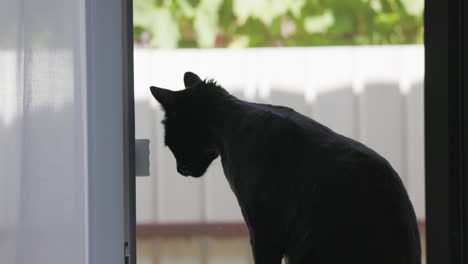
{"type": "Point", "coordinates": [306, 192]}
{"type": "Point", "coordinates": [314, 195]}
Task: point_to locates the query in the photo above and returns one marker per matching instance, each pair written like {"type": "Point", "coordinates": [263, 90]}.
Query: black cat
{"type": "Point", "coordinates": [306, 193]}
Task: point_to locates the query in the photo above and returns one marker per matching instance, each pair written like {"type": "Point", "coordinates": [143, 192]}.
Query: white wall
{"type": "Point", "coordinates": [372, 94]}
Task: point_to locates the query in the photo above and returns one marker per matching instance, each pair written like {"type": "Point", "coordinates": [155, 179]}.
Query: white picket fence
{"type": "Point", "coordinates": [370, 93]}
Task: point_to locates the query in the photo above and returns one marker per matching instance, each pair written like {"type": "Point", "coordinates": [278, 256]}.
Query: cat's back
{"type": "Point", "coordinates": [287, 120]}
{"type": "Point", "coordinates": [333, 178]}
{"type": "Point", "coordinates": [305, 144]}
{"type": "Point", "coordinates": [287, 124]}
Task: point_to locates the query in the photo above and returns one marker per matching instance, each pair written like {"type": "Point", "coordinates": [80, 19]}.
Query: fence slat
{"type": "Point", "coordinates": [381, 124]}
{"type": "Point", "coordinates": [336, 109]}
{"type": "Point", "coordinates": [145, 209]}
{"type": "Point", "coordinates": [415, 147]}
{"type": "Point", "coordinates": [220, 202]}
{"type": "Point", "coordinates": [293, 100]}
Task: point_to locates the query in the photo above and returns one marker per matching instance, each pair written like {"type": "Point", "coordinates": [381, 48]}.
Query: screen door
{"type": "Point", "coordinates": [65, 132]}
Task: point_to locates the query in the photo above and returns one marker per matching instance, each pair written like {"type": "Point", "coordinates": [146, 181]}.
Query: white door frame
{"type": "Point", "coordinates": [110, 131]}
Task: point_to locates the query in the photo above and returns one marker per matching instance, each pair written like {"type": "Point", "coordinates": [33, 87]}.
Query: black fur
{"type": "Point", "coordinates": [306, 192]}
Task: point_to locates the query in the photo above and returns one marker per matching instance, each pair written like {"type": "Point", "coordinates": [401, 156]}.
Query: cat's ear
{"type": "Point", "coordinates": [191, 80]}
{"type": "Point", "coordinates": [164, 96]}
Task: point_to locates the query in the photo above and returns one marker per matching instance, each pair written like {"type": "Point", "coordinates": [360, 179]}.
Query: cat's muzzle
{"type": "Point", "coordinates": [185, 171]}
{"type": "Point", "coordinates": [189, 169]}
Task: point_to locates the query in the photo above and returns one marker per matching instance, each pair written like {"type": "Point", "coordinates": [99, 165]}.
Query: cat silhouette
{"type": "Point", "coordinates": [306, 193]}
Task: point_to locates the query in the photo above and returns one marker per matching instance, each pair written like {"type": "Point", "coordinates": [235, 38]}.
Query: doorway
{"type": "Point", "coordinates": [304, 55]}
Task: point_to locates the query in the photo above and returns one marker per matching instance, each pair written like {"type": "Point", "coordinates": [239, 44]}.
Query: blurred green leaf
{"type": "Point", "coordinates": [260, 23]}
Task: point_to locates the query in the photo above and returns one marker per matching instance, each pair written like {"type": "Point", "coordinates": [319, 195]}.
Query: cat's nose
{"type": "Point", "coordinates": [183, 170]}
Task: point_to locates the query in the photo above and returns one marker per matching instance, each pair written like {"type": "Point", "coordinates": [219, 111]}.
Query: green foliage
{"type": "Point", "coordinates": [264, 23]}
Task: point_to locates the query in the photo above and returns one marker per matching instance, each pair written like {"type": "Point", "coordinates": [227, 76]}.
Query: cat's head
{"type": "Point", "coordinates": [186, 131]}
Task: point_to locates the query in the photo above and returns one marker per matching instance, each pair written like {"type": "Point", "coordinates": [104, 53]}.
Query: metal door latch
{"type": "Point", "coordinates": [142, 152]}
